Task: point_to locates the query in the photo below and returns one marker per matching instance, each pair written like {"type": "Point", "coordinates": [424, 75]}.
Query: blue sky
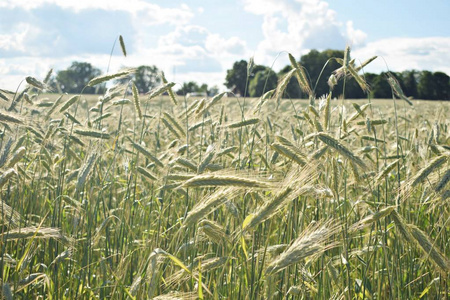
{"type": "Point", "coordinates": [200, 39]}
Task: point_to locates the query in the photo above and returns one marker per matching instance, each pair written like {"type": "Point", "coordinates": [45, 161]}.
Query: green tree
{"type": "Point", "coordinates": [426, 86]}
{"type": "Point", "coordinates": [410, 83]}
{"type": "Point", "coordinates": [76, 77]}
{"type": "Point", "coordinates": [263, 81]}
{"type": "Point", "coordinates": [237, 77]}
{"type": "Point", "coordinates": [145, 78]}
{"type": "Point", "coordinates": [380, 87]}
{"type": "Point", "coordinates": [314, 62]}
{"type": "Point", "coordinates": [352, 89]}
{"type": "Point", "coordinates": [214, 90]}
{"type": "Point", "coordinates": [442, 85]}
{"type": "Point", "coordinates": [203, 88]}
{"type": "Point", "coordinates": [194, 87]}
{"type": "Point", "coordinates": [188, 87]}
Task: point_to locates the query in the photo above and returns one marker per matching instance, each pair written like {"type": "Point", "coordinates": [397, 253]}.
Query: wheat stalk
{"type": "Point", "coordinates": [169, 91]}
{"type": "Point", "coordinates": [211, 103]}
{"type": "Point", "coordinates": [137, 102]}
{"type": "Point", "coordinates": [328, 140]}
{"type": "Point", "coordinates": [11, 118]}
{"type": "Point", "coordinates": [402, 226]}
{"type": "Point", "coordinates": [36, 233]}
{"type": "Point", "coordinates": [358, 78]}
{"type": "Point", "coordinates": [214, 231]}
{"type": "Point", "coordinates": [17, 156]}
{"type": "Point", "coordinates": [243, 123]}
{"type": "Point", "coordinates": [7, 175]}
{"type": "Point", "coordinates": [224, 180]}
{"type": "Point", "coordinates": [385, 172]}
{"type": "Point", "coordinates": [443, 182]}
{"type": "Point", "coordinates": [206, 160]}
{"type": "Point", "coordinates": [3, 96]}
{"type": "Point", "coordinates": [300, 75]}
{"type": "Point", "coordinates": [147, 154]}
{"type": "Point", "coordinates": [372, 122]}
{"type": "Point", "coordinates": [8, 216]}
{"type": "Point", "coordinates": [35, 83]}
{"type": "Point", "coordinates": [160, 90]}
{"type": "Point", "coordinates": [55, 105]}
{"type": "Point", "coordinates": [102, 117]}
{"type": "Point", "coordinates": [5, 153]}
{"type": "Point", "coordinates": [199, 124]}
{"type": "Point", "coordinates": [187, 163]}
{"type": "Point", "coordinates": [69, 103]}
{"type": "Point", "coordinates": [92, 133]}
{"type": "Point", "coordinates": [432, 166]}
{"type": "Point", "coordinates": [367, 221]}
{"type": "Point", "coordinates": [311, 242]}
{"type": "Point", "coordinates": [365, 63]}
{"type": "Point", "coordinates": [262, 100]}
{"type": "Point", "coordinates": [281, 87]}
{"type": "Point", "coordinates": [170, 127]}
{"type": "Point", "coordinates": [209, 204]}
{"type": "Point", "coordinates": [174, 122]}
{"type": "Point", "coordinates": [396, 88]}
{"type": "Point", "coordinates": [289, 152]}
{"type": "Point", "coordinates": [122, 45]}
{"type": "Point", "coordinates": [104, 78]}
{"type": "Point", "coordinates": [428, 247]}
{"type": "Point", "coordinates": [146, 173]}
{"type": "Point", "coordinates": [85, 170]}
{"type": "Point", "coordinates": [179, 177]}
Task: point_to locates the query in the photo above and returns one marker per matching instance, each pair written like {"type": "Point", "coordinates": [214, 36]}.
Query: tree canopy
{"type": "Point", "coordinates": [194, 87]}
{"type": "Point", "coordinates": [145, 78]}
{"type": "Point", "coordinates": [76, 77]}
{"type": "Point", "coordinates": [254, 80]}
{"type": "Point", "coordinates": [237, 77]}
{"type": "Point", "coordinates": [264, 80]}
{"type": "Point", "coordinates": [320, 65]}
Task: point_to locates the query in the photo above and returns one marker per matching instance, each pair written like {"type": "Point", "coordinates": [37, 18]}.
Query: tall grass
{"type": "Point", "coordinates": [190, 199]}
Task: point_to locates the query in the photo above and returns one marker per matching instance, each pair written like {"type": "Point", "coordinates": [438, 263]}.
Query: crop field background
{"type": "Point", "coordinates": [132, 196]}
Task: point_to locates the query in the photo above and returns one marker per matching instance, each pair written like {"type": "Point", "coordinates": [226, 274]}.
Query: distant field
{"type": "Point", "coordinates": [224, 198]}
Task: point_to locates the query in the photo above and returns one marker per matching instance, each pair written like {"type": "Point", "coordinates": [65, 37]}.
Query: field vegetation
{"type": "Point", "coordinates": [132, 196]}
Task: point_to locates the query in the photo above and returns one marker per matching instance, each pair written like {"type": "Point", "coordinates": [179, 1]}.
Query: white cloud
{"type": "Point", "coordinates": [14, 42]}
{"type": "Point", "coordinates": [185, 51]}
{"type": "Point", "coordinates": [14, 70]}
{"type": "Point", "coordinates": [310, 24]}
{"type": "Point", "coordinates": [36, 35]}
{"type": "Point", "coordinates": [189, 35]}
{"type": "Point", "coordinates": [356, 37]}
{"type": "Point", "coordinates": [195, 49]}
{"type": "Point", "coordinates": [51, 31]}
{"type": "Point", "coordinates": [220, 46]}
{"type": "Point", "coordinates": [399, 54]}
{"type": "Point", "coordinates": [150, 13]}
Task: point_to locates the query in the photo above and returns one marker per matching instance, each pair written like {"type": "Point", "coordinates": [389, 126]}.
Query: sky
{"type": "Point", "coordinates": [199, 40]}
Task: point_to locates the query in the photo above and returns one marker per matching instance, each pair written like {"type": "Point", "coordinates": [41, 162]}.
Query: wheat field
{"type": "Point", "coordinates": [129, 196]}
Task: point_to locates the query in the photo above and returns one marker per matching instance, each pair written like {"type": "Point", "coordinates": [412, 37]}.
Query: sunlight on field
{"type": "Point", "coordinates": [224, 198]}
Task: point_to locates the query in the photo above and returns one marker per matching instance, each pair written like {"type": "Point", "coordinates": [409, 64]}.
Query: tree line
{"type": "Point", "coordinates": [320, 65]}
{"type": "Point", "coordinates": [75, 78]}
{"type": "Point", "coordinates": [252, 81]}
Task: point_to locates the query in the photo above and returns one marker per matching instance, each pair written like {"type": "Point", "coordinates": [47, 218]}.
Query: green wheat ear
{"type": "Point", "coordinates": [137, 102]}
{"type": "Point", "coordinates": [122, 45]}
{"type": "Point", "coordinates": [104, 78]}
